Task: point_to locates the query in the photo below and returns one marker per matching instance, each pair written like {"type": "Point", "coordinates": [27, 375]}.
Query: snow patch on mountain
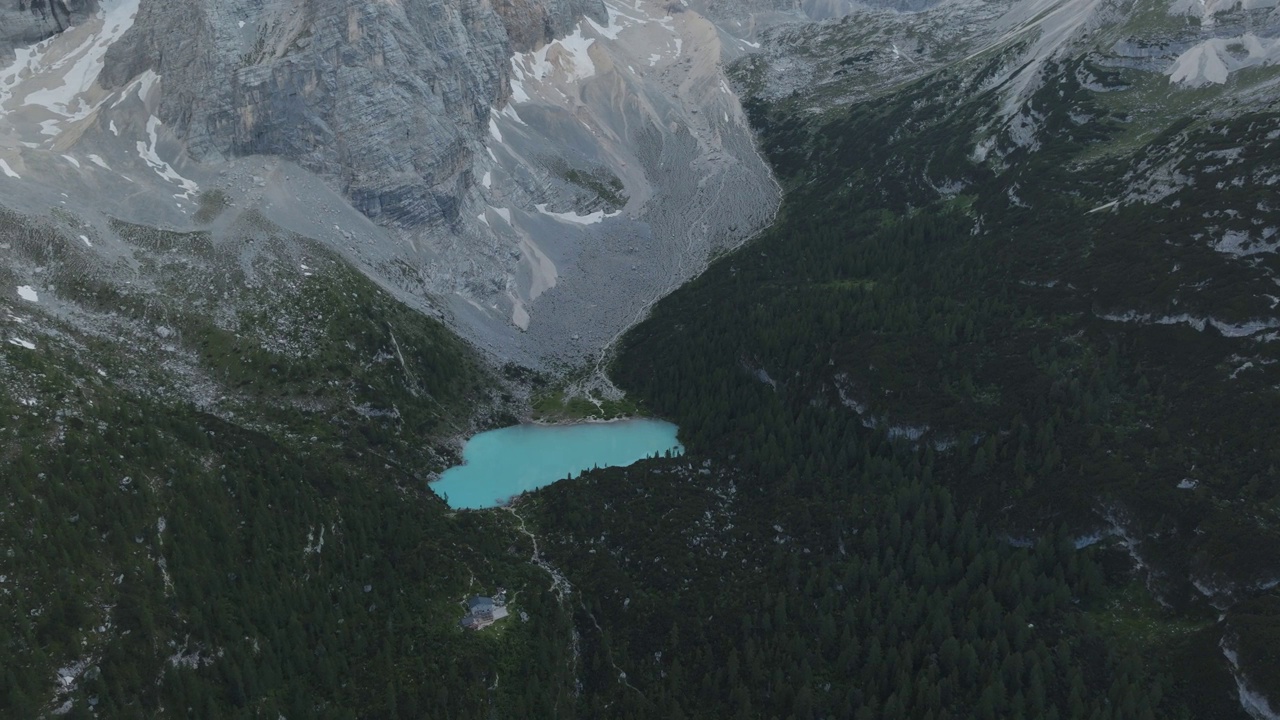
{"type": "Point", "coordinates": [569, 217]}
{"type": "Point", "coordinates": [568, 58]}
{"type": "Point", "coordinates": [646, 130]}
{"type": "Point", "coordinates": [626, 117]}
{"type": "Point", "coordinates": [1231, 330]}
{"type": "Point", "coordinates": [1251, 700]}
{"type": "Point", "coordinates": [59, 76]}
{"type": "Point", "coordinates": [147, 151]}
{"type": "Point", "coordinates": [1212, 61]}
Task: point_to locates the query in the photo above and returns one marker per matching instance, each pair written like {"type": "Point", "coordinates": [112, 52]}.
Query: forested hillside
{"type": "Point", "coordinates": [1028, 419]}
{"type": "Point", "coordinates": [215, 504]}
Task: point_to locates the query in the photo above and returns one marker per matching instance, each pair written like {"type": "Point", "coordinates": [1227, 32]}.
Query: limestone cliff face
{"type": "Point", "coordinates": [530, 23]}
{"type": "Point", "coordinates": [23, 22]}
{"type": "Point", "coordinates": [750, 15]}
{"type": "Point", "coordinates": [538, 171]}
{"type": "Point", "coordinates": [385, 98]}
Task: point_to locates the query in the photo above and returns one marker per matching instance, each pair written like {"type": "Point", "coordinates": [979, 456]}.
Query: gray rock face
{"type": "Point", "coordinates": [539, 170]}
{"type": "Point", "coordinates": [380, 97]}
{"type": "Point", "coordinates": [762, 13]}
{"type": "Point", "coordinates": [828, 9]}
{"type": "Point", "coordinates": [23, 22]}
{"type": "Point", "coordinates": [531, 23]}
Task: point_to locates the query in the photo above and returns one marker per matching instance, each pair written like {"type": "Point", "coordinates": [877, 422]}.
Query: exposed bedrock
{"type": "Point", "coordinates": [383, 98]}
{"type": "Point", "coordinates": [532, 23]}
{"type": "Point", "coordinates": [23, 22]}
{"type": "Point", "coordinates": [542, 170]}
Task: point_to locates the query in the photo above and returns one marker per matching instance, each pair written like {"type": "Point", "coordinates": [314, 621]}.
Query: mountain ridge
{"type": "Point", "coordinates": [414, 125]}
{"type": "Point", "coordinates": [1022, 270]}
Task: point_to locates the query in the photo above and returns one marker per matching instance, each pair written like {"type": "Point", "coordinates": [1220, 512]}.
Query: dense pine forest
{"type": "Point", "coordinates": [930, 474]}
{"type": "Point", "coordinates": [273, 551]}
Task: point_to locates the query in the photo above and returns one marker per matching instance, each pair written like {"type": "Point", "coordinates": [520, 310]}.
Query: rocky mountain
{"type": "Point", "coordinates": [459, 153]}
{"type": "Point", "coordinates": [30, 22]}
{"type": "Point", "coordinates": [1019, 256]}
{"type": "Point", "coordinates": [415, 138]}
{"type": "Point", "coordinates": [229, 237]}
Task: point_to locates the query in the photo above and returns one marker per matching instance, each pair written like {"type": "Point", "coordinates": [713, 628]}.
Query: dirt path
{"type": "Point", "coordinates": [561, 586]}
{"type": "Point", "coordinates": [563, 589]}
{"type": "Point", "coordinates": [621, 674]}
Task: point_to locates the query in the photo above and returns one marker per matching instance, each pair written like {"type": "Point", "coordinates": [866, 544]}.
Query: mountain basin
{"type": "Point", "coordinates": [499, 464]}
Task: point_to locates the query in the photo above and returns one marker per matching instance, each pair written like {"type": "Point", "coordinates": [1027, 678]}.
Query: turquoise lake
{"type": "Point", "coordinates": [500, 464]}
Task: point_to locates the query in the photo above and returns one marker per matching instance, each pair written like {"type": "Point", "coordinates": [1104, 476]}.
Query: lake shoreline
{"type": "Point", "coordinates": [498, 465]}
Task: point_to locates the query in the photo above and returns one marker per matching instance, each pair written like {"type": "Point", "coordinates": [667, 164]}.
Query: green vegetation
{"type": "Point", "coordinates": [558, 403]}
{"type": "Point", "coordinates": [212, 203]}
{"type": "Point", "coordinates": [965, 440]}
{"type": "Point", "coordinates": [607, 186]}
{"type": "Point", "coordinates": [599, 182]}
{"type": "Point", "coordinates": [191, 563]}
{"type": "Point", "coordinates": [157, 240]}
{"type": "Point", "coordinates": [725, 597]}
{"type": "Point", "coordinates": [275, 550]}
{"type": "Point", "coordinates": [884, 353]}
{"type": "Point", "coordinates": [1131, 615]}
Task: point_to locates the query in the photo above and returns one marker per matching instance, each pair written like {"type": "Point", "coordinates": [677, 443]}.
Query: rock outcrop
{"type": "Point", "coordinates": [540, 170]}
{"type": "Point", "coordinates": [532, 23]}
{"type": "Point", "coordinates": [23, 22]}
{"type": "Point", "coordinates": [381, 97]}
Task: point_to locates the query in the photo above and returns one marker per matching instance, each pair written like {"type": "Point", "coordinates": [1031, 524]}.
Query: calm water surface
{"type": "Point", "coordinates": [500, 464]}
